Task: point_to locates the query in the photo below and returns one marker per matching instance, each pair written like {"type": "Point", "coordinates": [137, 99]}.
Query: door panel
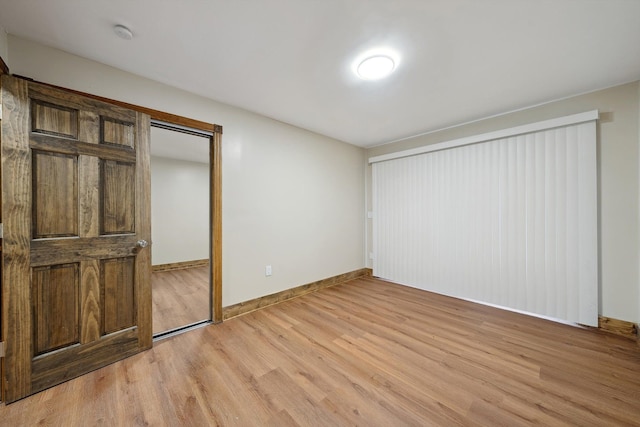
{"type": "Point", "coordinates": [75, 204]}
{"type": "Point", "coordinates": [55, 189]}
{"type": "Point", "coordinates": [118, 133]}
{"type": "Point", "coordinates": [51, 119]}
{"type": "Point", "coordinates": [119, 294]}
{"type": "Point", "coordinates": [55, 307]}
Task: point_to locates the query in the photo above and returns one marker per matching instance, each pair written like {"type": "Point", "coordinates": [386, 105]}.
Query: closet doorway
{"type": "Point", "coordinates": [180, 228]}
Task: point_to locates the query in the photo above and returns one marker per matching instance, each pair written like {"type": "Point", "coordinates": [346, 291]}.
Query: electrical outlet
{"type": "Point", "coordinates": [267, 270]}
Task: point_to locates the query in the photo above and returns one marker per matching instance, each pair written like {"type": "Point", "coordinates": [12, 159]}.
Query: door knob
{"type": "Point", "coordinates": [142, 244]}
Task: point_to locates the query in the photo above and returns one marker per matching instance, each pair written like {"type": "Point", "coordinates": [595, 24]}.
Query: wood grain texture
{"type": "Point", "coordinates": [118, 197]}
{"type": "Point", "coordinates": [61, 366]}
{"type": "Point", "coordinates": [16, 216]}
{"type": "Point", "coordinates": [68, 326]}
{"type": "Point", "coordinates": [55, 292]}
{"type": "Point", "coordinates": [90, 302]}
{"type": "Point", "coordinates": [117, 133]}
{"type": "Point", "coordinates": [180, 265]}
{"type": "Point", "coordinates": [65, 146]}
{"type": "Point", "coordinates": [257, 303]}
{"type": "Point", "coordinates": [215, 187]}
{"type": "Point", "coordinates": [54, 119]}
{"type": "Point", "coordinates": [143, 229]}
{"type": "Point", "coordinates": [88, 196]}
{"type": "Point", "coordinates": [69, 99]}
{"type": "Point", "coordinates": [619, 327]}
{"type": "Point", "coordinates": [152, 113]}
{"type": "Point", "coordinates": [180, 298]}
{"type": "Point", "coordinates": [368, 353]}
{"type": "Point", "coordinates": [89, 131]}
{"type": "Point", "coordinates": [55, 189]}
{"type": "Point", "coordinates": [2, 388]}
{"type": "Point", "coordinates": [118, 294]}
{"type": "Point", "coordinates": [45, 252]}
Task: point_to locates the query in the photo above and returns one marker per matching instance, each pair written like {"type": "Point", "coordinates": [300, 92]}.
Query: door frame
{"type": "Point", "coordinates": [210, 136]}
{"type": "Point", "coordinates": [4, 69]}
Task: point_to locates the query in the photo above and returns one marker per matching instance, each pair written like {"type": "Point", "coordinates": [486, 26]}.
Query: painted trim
{"type": "Point", "coordinates": [267, 300]}
{"type": "Point", "coordinates": [618, 327]}
{"type": "Point", "coordinates": [499, 134]}
{"type": "Point", "coordinates": [180, 265]}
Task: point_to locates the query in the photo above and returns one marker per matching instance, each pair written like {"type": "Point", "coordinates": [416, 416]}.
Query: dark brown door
{"type": "Point", "coordinates": [75, 206]}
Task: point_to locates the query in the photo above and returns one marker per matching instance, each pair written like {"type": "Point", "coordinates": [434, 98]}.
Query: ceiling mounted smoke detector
{"type": "Point", "coordinates": [375, 67]}
{"type": "Point", "coordinates": [123, 32]}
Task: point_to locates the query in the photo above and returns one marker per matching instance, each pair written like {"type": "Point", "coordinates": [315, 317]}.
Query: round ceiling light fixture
{"type": "Point", "coordinates": [123, 32]}
{"type": "Point", "coordinates": [375, 67]}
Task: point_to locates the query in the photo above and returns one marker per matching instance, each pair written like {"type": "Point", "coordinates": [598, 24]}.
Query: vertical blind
{"type": "Point", "coordinates": [510, 221]}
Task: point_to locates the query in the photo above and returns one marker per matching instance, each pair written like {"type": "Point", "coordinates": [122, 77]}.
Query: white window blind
{"type": "Point", "coordinates": [510, 221]}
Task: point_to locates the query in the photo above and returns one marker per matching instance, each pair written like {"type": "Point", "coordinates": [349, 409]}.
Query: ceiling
{"type": "Point", "coordinates": [291, 60]}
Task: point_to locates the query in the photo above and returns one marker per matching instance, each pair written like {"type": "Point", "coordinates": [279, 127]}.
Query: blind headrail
{"type": "Point", "coordinates": [503, 133]}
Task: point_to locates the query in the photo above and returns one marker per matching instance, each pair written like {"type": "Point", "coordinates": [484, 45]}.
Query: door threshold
{"type": "Point", "coordinates": [181, 329]}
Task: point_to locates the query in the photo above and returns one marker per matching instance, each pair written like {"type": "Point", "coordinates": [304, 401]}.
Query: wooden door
{"type": "Point", "coordinates": [75, 206]}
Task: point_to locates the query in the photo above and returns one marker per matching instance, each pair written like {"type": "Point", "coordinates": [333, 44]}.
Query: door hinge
{"type": "Point", "coordinates": [1, 349]}
{"type": "Point", "coordinates": [1, 231]}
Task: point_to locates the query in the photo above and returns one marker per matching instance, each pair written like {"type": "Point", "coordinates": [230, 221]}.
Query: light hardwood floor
{"type": "Point", "coordinates": [366, 353]}
{"type": "Point", "coordinates": [180, 297]}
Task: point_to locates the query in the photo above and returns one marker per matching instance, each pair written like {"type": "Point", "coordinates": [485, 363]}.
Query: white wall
{"type": "Point", "coordinates": [291, 198]}
{"type": "Point", "coordinates": [179, 210]}
{"type": "Point", "coordinates": [618, 182]}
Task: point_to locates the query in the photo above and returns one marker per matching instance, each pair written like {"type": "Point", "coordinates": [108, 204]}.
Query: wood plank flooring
{"type": "Point", "coordinates": [180, 297]}
{"type": "Point", "coordinates": [366, 353]}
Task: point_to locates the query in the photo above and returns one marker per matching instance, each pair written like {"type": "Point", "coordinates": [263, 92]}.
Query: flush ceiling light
{"type": "Point", "coordinates": [123, 32]}
{"type": "Point", "coordinates": [375, 67]}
